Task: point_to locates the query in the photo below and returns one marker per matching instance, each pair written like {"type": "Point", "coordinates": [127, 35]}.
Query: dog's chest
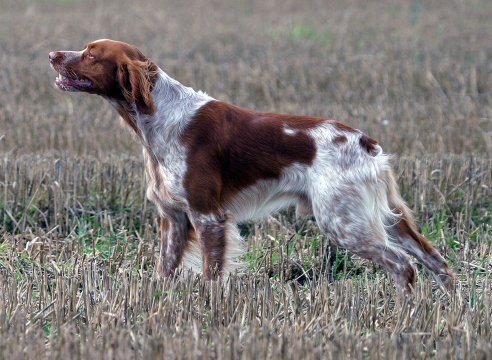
{"type": "Point", "coordinates": [164, 174]}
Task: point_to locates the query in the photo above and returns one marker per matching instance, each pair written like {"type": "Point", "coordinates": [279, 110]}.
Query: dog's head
{"type": "Point", "coordinates": [113, 69]}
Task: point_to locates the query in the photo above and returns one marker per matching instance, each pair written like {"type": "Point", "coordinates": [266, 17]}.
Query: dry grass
{"type": "Point", "coordinates": [78, 239]}
{"type": "Point", "coordinates": [76, 265]}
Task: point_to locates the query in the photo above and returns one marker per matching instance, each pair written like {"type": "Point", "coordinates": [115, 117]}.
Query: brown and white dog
{"type": "Point", "coordinates": [211, 165]}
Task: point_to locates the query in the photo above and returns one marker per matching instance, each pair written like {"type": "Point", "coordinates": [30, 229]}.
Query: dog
{"type": "Point", "coordinates": [210, 165]}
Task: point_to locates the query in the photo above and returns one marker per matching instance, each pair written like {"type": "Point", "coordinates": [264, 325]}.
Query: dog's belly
{"type": "Point", "coordinates": [263, 199]}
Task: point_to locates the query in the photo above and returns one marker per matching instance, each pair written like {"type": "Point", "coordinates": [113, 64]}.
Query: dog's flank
{"type": "Point", "coordinates": [210, 165]}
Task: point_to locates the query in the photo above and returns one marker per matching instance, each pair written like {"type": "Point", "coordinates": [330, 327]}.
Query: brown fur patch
{"type": "Point", "coordinates": [340, 139]}
{"type": "Point", "coordinates": [137, 79]}
{"type": "Point", "coordinates": [405, 226]}
{"type": "Point", "coordinates": [368, 144]}
{"type": "Point", "coordinates": [231, 148]}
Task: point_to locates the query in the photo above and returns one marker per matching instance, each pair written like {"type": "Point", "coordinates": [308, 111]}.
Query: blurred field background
{"type": "Point", "coordinates": [77, 238]}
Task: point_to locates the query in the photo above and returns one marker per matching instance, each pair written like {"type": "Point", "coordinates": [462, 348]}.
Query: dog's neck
{"type": "Point", "coordinates": [175, 105]}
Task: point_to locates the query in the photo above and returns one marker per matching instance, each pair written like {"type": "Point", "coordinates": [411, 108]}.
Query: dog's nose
{"type": "Point", "coordinates": [55, 56]}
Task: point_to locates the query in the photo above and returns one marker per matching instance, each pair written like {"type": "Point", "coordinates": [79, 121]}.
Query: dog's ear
{"type": "Point", "coordinates": [136, 80]}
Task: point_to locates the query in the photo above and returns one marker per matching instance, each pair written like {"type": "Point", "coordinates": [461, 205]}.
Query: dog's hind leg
{"type": "Point", "coordinates": [347, 220]}
{"type": "Point", "coordinates": [404, 233]}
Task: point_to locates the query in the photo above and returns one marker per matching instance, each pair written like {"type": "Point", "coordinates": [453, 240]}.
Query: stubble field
{"type": "Point", "coordinates": [78, 240]}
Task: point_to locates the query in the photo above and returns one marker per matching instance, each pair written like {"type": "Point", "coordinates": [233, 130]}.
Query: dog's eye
{"type": "Point", "coordinates": [90, 55]}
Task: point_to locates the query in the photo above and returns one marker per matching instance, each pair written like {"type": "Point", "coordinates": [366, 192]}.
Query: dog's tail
{"type": "Point", "coordinates": [392, 215]}
{"type": "Point", "coordinates": [404, 233]}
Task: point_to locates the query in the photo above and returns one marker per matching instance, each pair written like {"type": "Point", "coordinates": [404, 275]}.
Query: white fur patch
{"type": "Point", "coordinates": [288, 130]}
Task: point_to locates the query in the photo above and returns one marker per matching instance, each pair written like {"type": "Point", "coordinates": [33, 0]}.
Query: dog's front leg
{"type": "Point", "coordinates": [211, 234]}
{"type": "Point", "coordinates": [174, 229]}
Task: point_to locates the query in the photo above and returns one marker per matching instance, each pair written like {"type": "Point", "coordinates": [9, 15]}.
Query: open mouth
{"type": "Point", "coordinates": [73, 83]}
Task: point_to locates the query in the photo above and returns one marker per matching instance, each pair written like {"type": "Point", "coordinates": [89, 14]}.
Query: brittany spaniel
{"type": "Point", "coordinates": [210, 165]}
